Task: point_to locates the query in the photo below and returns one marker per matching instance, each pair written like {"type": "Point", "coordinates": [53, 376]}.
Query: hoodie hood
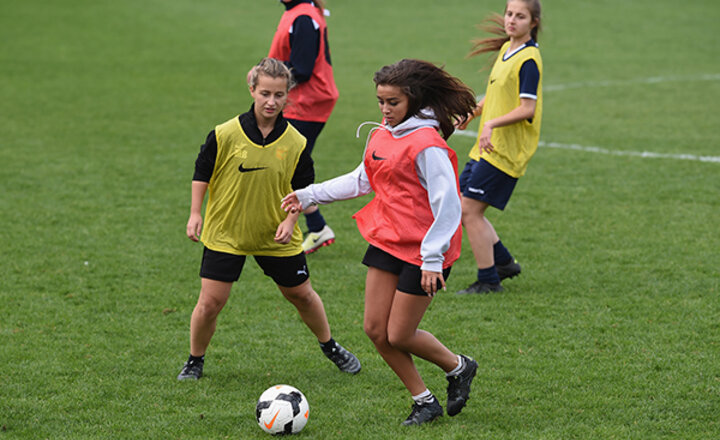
{"type": "Point", "coordinates": [426, 119]}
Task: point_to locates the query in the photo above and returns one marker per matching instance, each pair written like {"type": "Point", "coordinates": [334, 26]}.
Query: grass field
{"type": "Point", "coordinates": [611, 332]}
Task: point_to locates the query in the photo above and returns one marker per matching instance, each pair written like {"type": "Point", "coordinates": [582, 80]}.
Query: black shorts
{"type": "Point", "coordinates": [482, 181]}
{"type": "Point", "coordinates": [409, 275]}
{"type": "Point", "coordinates": [285, 271]}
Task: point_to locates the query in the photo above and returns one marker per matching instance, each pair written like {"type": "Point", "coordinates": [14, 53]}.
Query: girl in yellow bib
{"type": "Point", "coordinates": [510, 117]}
{"type": "Point", "coordinates": [246, 166]}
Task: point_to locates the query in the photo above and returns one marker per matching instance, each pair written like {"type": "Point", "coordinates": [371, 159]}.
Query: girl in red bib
{"type": "Point", "coordinates": [301, 42]}
{"type": "Point", "coordinates": [412, 224]}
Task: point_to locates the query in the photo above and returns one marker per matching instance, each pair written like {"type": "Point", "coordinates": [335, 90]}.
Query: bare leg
{"type": "Point", "coordinates": [213, 296]}
{"type": "Point", "coordinates": [310, 307]}
{"type": "Point", "coordinates": [403, 333]}
{"type": "Point", "coordinates": [480, 231]}
{"type": "Point", "coordinates": [379, 293]}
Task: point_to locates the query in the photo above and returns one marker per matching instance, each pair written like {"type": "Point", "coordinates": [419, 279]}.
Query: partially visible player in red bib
{"type": "Point", "coordinates": [412, 224]}
{"type": "Point", "coordinates": [301, 42]}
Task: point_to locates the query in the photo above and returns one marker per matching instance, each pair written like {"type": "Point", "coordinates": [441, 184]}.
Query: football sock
{"type": "Point", "coordinates": [458, 369]}
{"type": "Point", "coordinates": [328, 346]}
{"type": "Point", "coordinates": [315, 221]}
{"type": "Point", "coordinates": [196, 359]}
{"type": "Point", "coordinates": [501, 254]}
{"type": "Point", "coordinates": [488, 275]}
{"type": "Point", "coordinates": [424, 397]}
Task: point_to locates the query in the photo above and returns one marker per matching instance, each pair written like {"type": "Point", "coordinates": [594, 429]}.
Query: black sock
{"type": "Point", "coordinates": [488, 275]}
{"type": "Point", "coordinates": [501, 254]}
{"type": "Point", "coordinates": [315, 221]}
{"type": "Point", "coordinates": [196, 359]}
{"type": "Point", "coordinates": [327, 347]}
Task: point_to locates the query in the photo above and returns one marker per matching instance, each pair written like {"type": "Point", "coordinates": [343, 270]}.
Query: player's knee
{"type": "Point", "coordinates": [301, 298]}
{"type": "Point", "coordinates": [376, 333]}
{"type": "Point", "coordinates": [398, 340]}
{"type": "Point", "coordinates": [470, 213]}
{"type": "Point", "coordinates": [208, 308]}
{"type": "Point", "coordinates": [472, 209]}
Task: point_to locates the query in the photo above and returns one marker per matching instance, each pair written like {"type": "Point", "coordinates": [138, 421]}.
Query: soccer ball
{"type": "Point", "coordinates": [282, 409]}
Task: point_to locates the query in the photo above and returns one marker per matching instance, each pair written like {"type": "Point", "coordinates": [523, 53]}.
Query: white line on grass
{"type": "Point", "coordinates": [648, 80]}
{"type": "Point", "coordinates": [600, 150]}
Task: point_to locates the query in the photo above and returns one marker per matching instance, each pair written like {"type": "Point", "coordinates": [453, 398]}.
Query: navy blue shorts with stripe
{"type": "Point", "coordinates": [482, 181]}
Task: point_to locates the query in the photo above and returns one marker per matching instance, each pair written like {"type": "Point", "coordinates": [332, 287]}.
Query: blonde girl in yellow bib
{"type": "Point", "coordinates": [246, 166]}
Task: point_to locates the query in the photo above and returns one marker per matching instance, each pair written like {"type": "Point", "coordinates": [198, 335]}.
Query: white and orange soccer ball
{"type": "Point", "coordinates": [282, 409]}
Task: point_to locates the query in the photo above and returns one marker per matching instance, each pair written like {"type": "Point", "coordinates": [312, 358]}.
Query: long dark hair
{"type": "Point", "coordinates": [320, 4]}
{"type": "Point", "coordinates": [427, 85]}
{"type": "Point", "coordinates": [495, 24]}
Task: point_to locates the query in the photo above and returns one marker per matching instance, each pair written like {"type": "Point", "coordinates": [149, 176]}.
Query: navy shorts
{"type": "Point", "coordinates": [482, 181]}
{"type": "Point", "coordinates": [285, 271]}
{"type": "Point", "coordinates": [410, 275]}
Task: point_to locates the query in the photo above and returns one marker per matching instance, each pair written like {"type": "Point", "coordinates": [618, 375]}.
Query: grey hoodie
{"type": "Point", "coordinates": [437, 176]}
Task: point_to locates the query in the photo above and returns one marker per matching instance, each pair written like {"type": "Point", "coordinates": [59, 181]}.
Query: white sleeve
{"type": "Point", "coordinates": [348, 186]}
{"type": "Point", "coordinates": [437, 175]}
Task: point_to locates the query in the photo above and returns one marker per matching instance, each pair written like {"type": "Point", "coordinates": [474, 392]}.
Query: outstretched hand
{"type": "Point", "coordinates": [290, 203]}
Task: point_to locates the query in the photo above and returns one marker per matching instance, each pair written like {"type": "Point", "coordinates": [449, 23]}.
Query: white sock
{"type": "Point", "coordinates": [458, 369]}
{"type": "Point", "coordinates": [424, 397]}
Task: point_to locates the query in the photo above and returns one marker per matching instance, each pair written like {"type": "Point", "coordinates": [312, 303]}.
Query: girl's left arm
{"type": "Point", "coordinates": [348, 186]}
{"type": "Point", "coordinates": [528, 84]}
{"type": "Point", "coordinates": [437, 175]}
{"type": "Point", "coordinates": [526, 110]}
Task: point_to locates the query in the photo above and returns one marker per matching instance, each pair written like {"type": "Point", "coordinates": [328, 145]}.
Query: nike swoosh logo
{"type": "Point", "coordinates": [242, 169]}
{"type": "Point", "coordinates": [492, 81]}
{"type": "Point", "coordinates": [476, 190]}
{"type": "Point", "coordinates": [377, 157]}
{"type": "Point", "coordinates": [272, 422]}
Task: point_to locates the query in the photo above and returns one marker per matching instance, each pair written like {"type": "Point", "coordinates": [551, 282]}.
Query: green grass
{"type": "Point", "coordinates": [610, 332]}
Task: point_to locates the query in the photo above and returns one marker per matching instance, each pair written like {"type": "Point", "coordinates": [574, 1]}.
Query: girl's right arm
{"type": "Point", "coordinates": [194, 224]}
{"type": "Point", "coordinates": [348, 186]}
{"type": "Point", "coordinates": [462, 125]}
{"type": "Point", "coordinates": [204, 167]}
